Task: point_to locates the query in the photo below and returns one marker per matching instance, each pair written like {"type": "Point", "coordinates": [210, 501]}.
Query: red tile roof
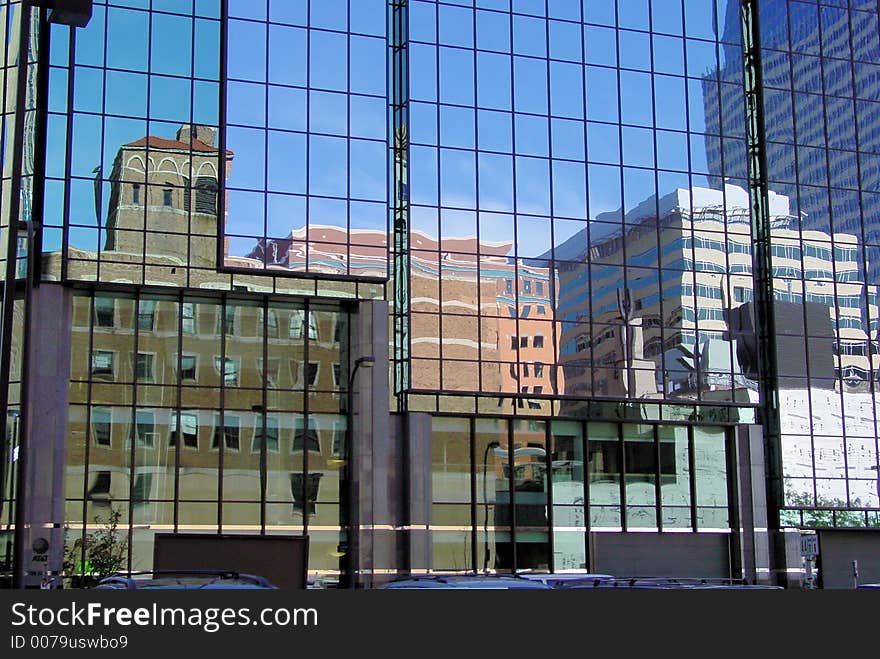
{"type": "Point", "coordinates": [153, 142]}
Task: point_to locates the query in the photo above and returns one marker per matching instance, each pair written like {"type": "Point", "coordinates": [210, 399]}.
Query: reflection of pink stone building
{"type": "Point", "coordinates": [325, 250]}
{"type": "Point", "coordinates": [479, 322]}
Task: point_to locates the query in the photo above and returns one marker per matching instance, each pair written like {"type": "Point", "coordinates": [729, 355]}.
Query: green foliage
{"type": "Point", "coordinates": [97, 554]}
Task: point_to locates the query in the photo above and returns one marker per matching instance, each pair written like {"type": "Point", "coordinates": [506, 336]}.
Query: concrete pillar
{"type": "Point", "coordinates": [375, 466]}
{"type": "Point", "coordinates": [753, 555]}
{"type": "Point", "coordinates": [419, 495]}
{"type": "Point", "coordinates": [48, 380]}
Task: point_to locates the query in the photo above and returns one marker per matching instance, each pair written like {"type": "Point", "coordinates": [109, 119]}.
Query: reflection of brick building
{"type": "Point", "coordinates": [226, 381]}
{"type": "Point", "coordinates": [162, 192]}
{"type": "Point", "coordinates": [528, 335]}
{"type": "Point", "coordinates": [161, 222]}
{"type": "Point", "coordinates": [135, 398]}
{"type": "Point", "coordinates": [470, 303]}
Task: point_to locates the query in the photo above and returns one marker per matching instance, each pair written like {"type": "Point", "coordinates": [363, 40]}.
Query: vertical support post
{"type": "Point", "coordinates": [765, 321]}
{"type": "Point", "coordinates": [398, 19]}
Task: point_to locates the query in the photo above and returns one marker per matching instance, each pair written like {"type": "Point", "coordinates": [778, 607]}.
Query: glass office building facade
{"type": "Point", "coordinates": [612, 244]}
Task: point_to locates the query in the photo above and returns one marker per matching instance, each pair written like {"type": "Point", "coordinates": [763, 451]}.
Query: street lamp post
{"type": "Point", "coordinates": [490, 445]}
{"type": "Point", "coordinates": [349, 490]}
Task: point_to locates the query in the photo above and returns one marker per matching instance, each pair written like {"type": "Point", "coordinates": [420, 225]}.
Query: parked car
{"type": "Point", "coordinates": [565, 579]}
{"type": "Point", "coordinates": [669, 583]}
{"type": "Point", "coordinates": [468, 582]}
{"type": "Point", "coordinates": [184, 580]}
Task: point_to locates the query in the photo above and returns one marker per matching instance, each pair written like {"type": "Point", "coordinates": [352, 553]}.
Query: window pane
{"type": "Point", "coordinates": [710, 465]}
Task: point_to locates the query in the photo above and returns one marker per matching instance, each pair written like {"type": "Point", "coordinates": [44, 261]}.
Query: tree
{"type": "Point", "coordinates": [97, 554]}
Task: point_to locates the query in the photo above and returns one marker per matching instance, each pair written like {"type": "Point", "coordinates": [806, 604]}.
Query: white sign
{"type": "Point", "coordinates": [809, 545]}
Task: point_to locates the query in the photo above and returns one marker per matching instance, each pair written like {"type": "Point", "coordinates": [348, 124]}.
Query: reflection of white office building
{"type": "Point", "coordinates": [688, 328]}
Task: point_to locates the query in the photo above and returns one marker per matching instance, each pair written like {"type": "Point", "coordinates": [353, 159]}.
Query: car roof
{"type": "Point", "coordinates": [563, 577]}
{"type": "Point", "coordinates": [667, 583]}
{"type": "Point", "coordinates": [184, 580]}
{"type": "Point", "coordinates": [466, 582]}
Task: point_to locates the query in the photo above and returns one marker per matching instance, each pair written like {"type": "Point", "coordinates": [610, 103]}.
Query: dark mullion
{"type": "Point", "coordinates": [264, 304]}
{"type": "Point", "coordinates": [144, 231]}
{"type": "Point", "coordinates": [548, 480]}
{"type": "Point", "coordinates": [689, 232]}
{"type": "Point", "coordinates": [476, 153]}
{"type": "Point", "coordinates": [588, 261]}
{"type": "Point", "coordinates": [511, 493]}
{"type": "Point", "coordinates": [306, 418]}
{"type": "Point", "coordinates": [68, 153]}
{"type": "Point", "coordinates": [389, 173]}
{"type": "Point", "coordinates": [178, 432]}
{"type": "Point", "coordinates": [347, 138]}
{"type": "Point", "coordinates": [221, 446]}
{"type": "Point", "coordinates": [193, 174]}
{"type": "Point", "coordinates": [658, 474]}
{"type": "Point", "coordinates": [132, 433]}
{"type": "Point", "coordinates": [692, 469]}
{"type": "Point", "coordinates": [623, 273]}
{"type": "Point", "coordinates": [585, 474]}
{"type": "Point", "coordinates": [88, 432]}
{"type": "Point", "coordinates": [624, 526]}
{"type": "Point", "coordinates": [659, 273]}
{"type": "Point", "coordinates": [264, 443]}
{"type": "Point", "coordinates": [439, 106]}
{"type": "Point", "coordinates": [473, 479]}
{"type": "Point", "coordinates": [699, 366]}
{"type": "Point", "coordinates": [5, 66]}
{"type": "Point", "coordinates": [265, 191]}
{"type": "Point", "coordinates": [147, 150]}
{"type": "Point", "coordinates": [308, 133]}
{"type": "Point", "coordinates": [517, 399]}
{"type": "Point", "coordinates": [101, 176]}
{"type": "Point", "coordinates": [221, 135]}
{"type": "Point", "coordinates": [551, 279]}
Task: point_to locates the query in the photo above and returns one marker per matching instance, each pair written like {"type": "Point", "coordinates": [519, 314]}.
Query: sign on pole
{"type": "Point", "coordinates": [809, 545]}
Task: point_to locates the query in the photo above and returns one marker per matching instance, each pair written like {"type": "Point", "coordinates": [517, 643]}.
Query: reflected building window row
{"type": "Point", "coordinates": [573, 244]}
{"type": "Point", "coordinates": [543, 489]}
{"type": "Point", "coordinates": [163, 414]}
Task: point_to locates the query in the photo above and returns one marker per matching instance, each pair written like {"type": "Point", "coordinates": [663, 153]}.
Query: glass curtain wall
{"type": "Point", "coordinates": [20, 35]}
{"type": "Point", "coordinates": [513, 494]}
{"type": "Point", "coordinates": [568, 237]}
{"type": "Point", "coordinates": [821, 125]}
{"type": "Point", "coordinates": [207, 415]}
{"type": "Point", "coordinates": [180, 135]}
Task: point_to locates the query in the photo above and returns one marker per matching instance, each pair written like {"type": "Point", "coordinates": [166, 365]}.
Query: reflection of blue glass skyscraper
{"type": "Point", "coordinates": [819, 129]}
{"type": "Point", "coordinates": [568, 273]}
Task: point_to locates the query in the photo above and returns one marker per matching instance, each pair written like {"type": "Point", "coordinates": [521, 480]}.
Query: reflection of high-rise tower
{"type": "Point", "coordinates": [164, 191]}
{"type": "Point", "coordinates": [813, 121]}
{"type": "Point", "coordinates": [684, 328]}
